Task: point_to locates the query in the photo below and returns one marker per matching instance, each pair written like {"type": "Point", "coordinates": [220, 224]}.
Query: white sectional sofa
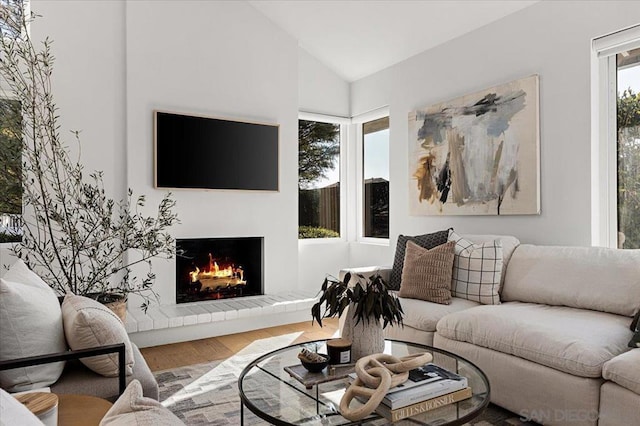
{"type": "Point", "coordinates": [555, 350]}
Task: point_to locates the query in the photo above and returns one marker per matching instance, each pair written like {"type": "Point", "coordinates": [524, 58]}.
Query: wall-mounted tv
{"type": "Point", "coordinates": [212, 153]}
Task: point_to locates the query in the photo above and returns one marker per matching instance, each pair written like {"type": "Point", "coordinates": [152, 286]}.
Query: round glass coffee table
{"type": "Point", "coordinates": [269, 388]}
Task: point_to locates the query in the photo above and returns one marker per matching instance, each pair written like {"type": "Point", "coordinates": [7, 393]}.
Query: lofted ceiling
{"type": "Point", "coordinates": [356, 38]}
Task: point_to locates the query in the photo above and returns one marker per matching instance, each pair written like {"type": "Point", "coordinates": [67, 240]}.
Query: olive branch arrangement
{"type": "Point", "coordinates": [75, 236]}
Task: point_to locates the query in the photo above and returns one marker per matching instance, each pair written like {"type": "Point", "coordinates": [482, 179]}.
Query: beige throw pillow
{"type": "Point", "coordinates": [30, 324]}
{"type": "Point", "coordinates": [427, 241]}
{"type": "Point", "coordinates": [426, 274]}
{"type": "Point", "coordinates": [88, 324]}
{"type": "Point", "coordinates": [133, 409]}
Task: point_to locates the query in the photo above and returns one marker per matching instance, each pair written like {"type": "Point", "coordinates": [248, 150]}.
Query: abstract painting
{"type": "Point", "coordinates": [478, 154]}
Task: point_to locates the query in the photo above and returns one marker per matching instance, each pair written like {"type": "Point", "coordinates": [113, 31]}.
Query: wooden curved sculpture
{"type": "Point", "coordinates": [377, 374]}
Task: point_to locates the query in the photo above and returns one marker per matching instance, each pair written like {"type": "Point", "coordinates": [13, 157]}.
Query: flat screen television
{"type": "Point", "coordinates": [212, 153]}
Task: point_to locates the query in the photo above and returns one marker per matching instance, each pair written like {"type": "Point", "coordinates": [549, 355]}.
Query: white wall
{"type": "Point", "coordinates": [551, 39]}
{"type": "Point", "coordinates": [117, 61]}
{"type": "Point", "coordinates": [88, 83]}
{"type": "Point", "coordinates": [320, 90]}
{"type": "Point", "coordinates": [88, 79]}
{"type": "Point", "coordinates": [223, 59]}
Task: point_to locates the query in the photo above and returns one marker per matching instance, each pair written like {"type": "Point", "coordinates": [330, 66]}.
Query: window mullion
{"type": "Point", "coordinates": [611, 155]}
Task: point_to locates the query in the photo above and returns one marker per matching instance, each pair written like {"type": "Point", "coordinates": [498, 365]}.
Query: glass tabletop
{"type": "Point", "coordinates": [271, 393]}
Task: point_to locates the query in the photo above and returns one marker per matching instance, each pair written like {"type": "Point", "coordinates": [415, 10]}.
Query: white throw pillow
{"type": "Point", "coordinates": [13, 413]}
{"type": "Point", "coordinates": [88, 324]}
{"type": "Point", "coordinates": [133, 409]}
{"type": "Point", "coordinates": [477, 269]}
{"type": "Point", "coordinates": [30, 324]}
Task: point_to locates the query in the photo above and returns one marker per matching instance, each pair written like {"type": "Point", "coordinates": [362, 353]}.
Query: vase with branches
{"type": "Point", "coordinates": [371, 308]}
{"type": "Point", "coordinates": [75, 236]}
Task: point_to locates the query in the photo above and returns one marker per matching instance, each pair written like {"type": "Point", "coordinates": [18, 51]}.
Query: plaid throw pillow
{"type": "Point", "coordinates": [477, 269]}
{"type": "Point", "coordinates": [427, 241]}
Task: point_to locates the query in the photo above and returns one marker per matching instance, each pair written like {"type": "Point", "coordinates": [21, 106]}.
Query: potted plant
{"type": "Point", "coordinates": [77, 238]}
{"type": "Point", "coordinates": [371, 308]}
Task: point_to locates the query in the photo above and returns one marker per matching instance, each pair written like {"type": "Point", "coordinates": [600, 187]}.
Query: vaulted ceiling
{"type": "Point", "coordinates": [359, 38]}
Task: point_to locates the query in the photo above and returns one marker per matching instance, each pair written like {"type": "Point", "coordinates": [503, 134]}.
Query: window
{"type": "Point", "coordinates": [628, 148]}
{"type": "Point", "coordinates": [12, 12]}
{"type": "Point", "coordinates": [616, 134]}
{"type": "Point", "coordinates": [375, 178]}
{"type": "Point", "coordinates": [319, 200]}
{"type": "Point", "coordinates": [10, 170]}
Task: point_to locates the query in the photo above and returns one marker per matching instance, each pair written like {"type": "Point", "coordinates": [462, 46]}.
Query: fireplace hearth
{"type": "Point", "coordinates": [218, 268]}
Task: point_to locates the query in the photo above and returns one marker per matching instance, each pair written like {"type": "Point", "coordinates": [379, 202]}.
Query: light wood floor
{"type": "Point", "coordinates": [222, 347]}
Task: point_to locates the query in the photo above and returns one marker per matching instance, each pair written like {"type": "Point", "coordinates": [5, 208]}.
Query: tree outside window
{"type": "Point", "coordinates": [318, 179]}
{"type": "Point", "coordinates": [628, 140]}
{"type": "Point", "coordinates": [10, 171]}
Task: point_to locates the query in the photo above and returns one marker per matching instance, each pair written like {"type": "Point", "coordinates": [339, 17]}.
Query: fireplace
{"type": "Point", "coordinates": [218, 268]}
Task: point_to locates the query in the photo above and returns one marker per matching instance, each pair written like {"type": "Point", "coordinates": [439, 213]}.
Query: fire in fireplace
{"type": "Point", "coordinates": [218, 268]}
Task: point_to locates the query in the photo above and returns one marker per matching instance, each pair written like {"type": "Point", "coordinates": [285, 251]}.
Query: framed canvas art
{"type": "Point", "coordinates": [478, 154]}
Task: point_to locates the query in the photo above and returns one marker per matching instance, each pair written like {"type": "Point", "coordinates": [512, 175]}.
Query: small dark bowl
{"type": "Point", "coordinates": [316, 367]}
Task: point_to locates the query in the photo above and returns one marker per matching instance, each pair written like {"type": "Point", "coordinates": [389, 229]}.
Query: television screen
{"type": "Point", "coordinates": [211, 153]}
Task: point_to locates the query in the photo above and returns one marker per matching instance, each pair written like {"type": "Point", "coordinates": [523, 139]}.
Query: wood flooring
{"type": "Point", "coordinates": [222, 347]}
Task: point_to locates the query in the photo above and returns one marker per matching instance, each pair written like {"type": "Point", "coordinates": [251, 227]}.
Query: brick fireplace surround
{"type": "Point", "coordinates": [219, 290]}
{"type": "Point", "coordinates": [189, 321]}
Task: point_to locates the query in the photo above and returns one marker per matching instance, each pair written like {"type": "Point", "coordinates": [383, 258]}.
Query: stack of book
{"type": "Point", "coordinates": [429, 387]}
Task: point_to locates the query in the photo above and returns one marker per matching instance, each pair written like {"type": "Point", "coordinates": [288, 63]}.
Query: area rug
{"type": "Point", "coordinates": [207, 394]}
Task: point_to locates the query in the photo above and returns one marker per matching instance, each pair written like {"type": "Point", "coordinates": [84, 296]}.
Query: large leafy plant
{"type": "Point", "coordinates": [371, 298]}
{"type": "Point", "coordinates": [75, 236]}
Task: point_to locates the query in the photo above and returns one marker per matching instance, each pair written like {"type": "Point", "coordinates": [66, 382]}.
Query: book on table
{"type": "Point", "coordinates": [423, 406]}
{"type": "Point", "coordinates": [426, 382]}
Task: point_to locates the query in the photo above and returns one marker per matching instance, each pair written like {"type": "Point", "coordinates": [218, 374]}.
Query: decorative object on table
{"type": "Point", "coordinates": [310, 379]}
{"type": "Point", "coordinates": [339, 351]}
{"type": "Point", "coordinates": [75, 237]}
{"type": "Point", "coordinates": [367, 337]}
{"type": "Point", "coordinates": [377, 374]}
{"type": "Point", "coordinates": [371, 308]}
{"type": "Point", "coordinates": [478, 154]}
{"type": "Point", "coordinates": [44, 405]}
{"type": "Point", "coordinates": [313, 361]}
{"type": "Point", "coordinates": [15, 413]}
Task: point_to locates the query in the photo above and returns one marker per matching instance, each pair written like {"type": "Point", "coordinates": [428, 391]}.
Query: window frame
{"type": "Point", "coordinates": [343, 122]}
{"type": "Point", "coordinates": [358, 122]}
{"type": "Point", "coordinates": [604, 165]}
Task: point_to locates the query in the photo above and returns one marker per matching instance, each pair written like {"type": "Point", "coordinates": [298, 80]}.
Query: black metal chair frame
{"type": "Point", "coordinates": [73, 355]}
